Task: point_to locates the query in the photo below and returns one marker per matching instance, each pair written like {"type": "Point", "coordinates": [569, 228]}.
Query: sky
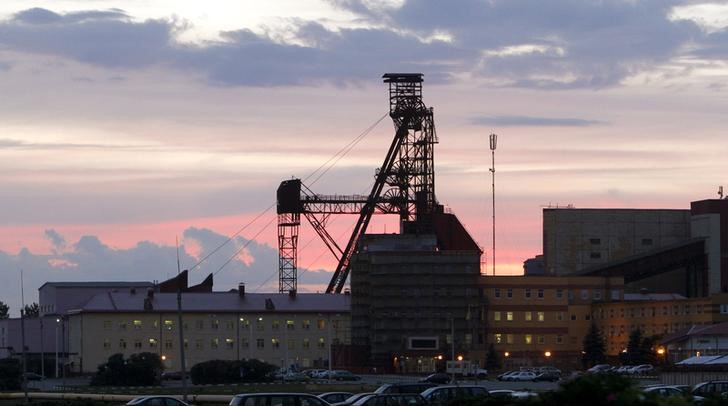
{"type": "Point", "coordinates": [126, 126]}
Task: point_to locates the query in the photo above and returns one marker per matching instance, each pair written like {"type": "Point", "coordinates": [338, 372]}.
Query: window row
{"type": "Point", "coordinates": [538, 293]}
{"type": "Point", "coordinates": [215, 343]}
{"type": "Point", "coordinates": [215, 324]}
{"type": "Point", "coordinates": [674, 310]}
{"type": "Point", "coordinates": [533, 316]}
{"type": "Point", "coordinates": [500, 338]}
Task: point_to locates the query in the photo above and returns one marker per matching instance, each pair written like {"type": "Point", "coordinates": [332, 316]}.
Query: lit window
{"type": "Point", "coordinates": [137, 324]}
{"type": "Point", "coordinates": [152, 343]}
{"type": "Point", "coordinates": [214, 342]}
{"type": "Point", "coordinates": [498, 338]}
{"type": "Point", "coordinates": [528, 339]}
{"type": "Point", "coordinates": [306, 324]}
{"type": "Point", "coordinates": [497, 316]}
{"type": "Point", "coordinates": [290, 325]}
{"type": "Point", "coordinates": [229, 343]}
{"type": "Point", "coordinates": [321, 324]}
{"type": "Point", "coordinates": [527, 316]}
{"type": "Point", "coordinates": [509, 338]}
{"type": "Point", "coordinates": [540, 316]}
{"type": "Point", "coordinates": [168, 325]}
{"type": "Point", "coordinates": [509, 316]}
{"type": "Point", "coordinates": [260, 324]}
{"type": "Point", "coordinates": [321, 342]}
{"type": "Point", "coordinates": [215, 324]}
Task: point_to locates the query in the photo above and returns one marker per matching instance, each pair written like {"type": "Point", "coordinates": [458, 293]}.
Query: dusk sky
{"type": "Point", "coordinates": [127, 124]}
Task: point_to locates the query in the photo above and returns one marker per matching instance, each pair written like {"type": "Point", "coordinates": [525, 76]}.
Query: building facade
{"type": "Point", "coordinates": [303, 330]}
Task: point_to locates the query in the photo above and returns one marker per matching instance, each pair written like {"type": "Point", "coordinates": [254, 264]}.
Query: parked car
{"type": "Point", "coordinates": [503, 376]}
{"type": "Point", "coordinates": [342, 375]}
{"type": "Point", "coordinates": [521, 376]}
{"type": "Point", "coordinates": [442, 395]}
{"type": "Point", "coordinates": [669, 390]}
{"type": "Point", "coordinates": [353, 399]}
{"type": "Point", "coordinates": [292, 376]}
{"type": "Point", "coordinates": [548, 376]}
{"type": "Point", "coordinates": [335, 397]}
{"type": "Point", "coordinates": [156, 401]}
{"type": "Point", "coordinates": [32, 376]}
{"type": "Point", "coordinates": [710, 388]}
{"type": "Point", "coordinates": [514, 394]}
{"type": "Point", "coordinates": [643, 369]}
{"type": "Point", "coordinates": [392, 399]}
{"type": "Point", "coordinates": [599, 368]}
{"type": "Point", "coordinates": [623, 370]}
{"type": "Point", "coordinates": [404, 387]}
{"type": "Point", "coordinates": [439, 377]}
{"type": "Point", "coordinates": [314, 373]}
{"type": "Point", "coordinates": [293, 399]}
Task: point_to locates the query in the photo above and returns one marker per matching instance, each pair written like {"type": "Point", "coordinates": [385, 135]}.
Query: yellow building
{"type": "Point", "coordinates": [541, 320]}
{"type": "Point", "coordinates": [281, 329]}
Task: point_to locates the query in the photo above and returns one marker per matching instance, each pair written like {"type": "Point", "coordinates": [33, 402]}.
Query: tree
{"type": "Point", "coordinates": [31, 310]}
{"type": "Point", "coordinates": [142, 369]}
{"type": "Point", "coordinates": [4, 309]}
{"type": "Point", "coordinates": [593, 351]}
{"type": "Point", "coordinates": [492, 360]}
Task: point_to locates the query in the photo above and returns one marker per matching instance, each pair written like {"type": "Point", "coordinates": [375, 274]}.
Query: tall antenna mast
{"type": "Point", "coordinates": [493, 142]}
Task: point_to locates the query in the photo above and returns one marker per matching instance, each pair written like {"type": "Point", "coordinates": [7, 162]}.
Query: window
{"type": "Point", "coordinates": [496, 292]}
{"type": "Point", "coordinates": [275, 343]}
{"type": "Point", "coordinates": [528, 339]}
{"type": "Point", "coordinates": [137, 324]}
{"type": "Point", "coordinates": [597, 294]}
{"type": "Point", "coordinates": [321, 343]}
{"type": "Point", "coordinates": [559, 339]}
{"type": "Point", "coordinates": [138, 344]}
{"type": "Point", "coordinates": [584, 294]}
{"type": "Point", "coordinates": [260, 324]}
{"type": "Point", "coordinates": [559, 293]}
{"type": "Point", "coordinates": [647, 241]}
{"type": "Point", "coordinates": [230, 325]}
{"type": "Point", "coordinates": [560, 316]}
{"type": "Point", "coordinates": [573, 317]}
{"type": "Point", "coordinates": [275, 324]}
{"type": "Point", "coordinates": [321, 324]}
{"type": "Point", "coordinates": [290, 325]}
{"type": "Point", "coordinates": [509, 293]}
{"type": "Point", "coordinates": [595, 255]}
{"type": "Point", "coordinates": [306, 343]}
{"type": "Point", "coordinates": [527, 293]}
{"type": "Point", "coordinates": [199, 344]}
{"type": "Point", "coordinates": [539, 294]}
{"type": "Point", "coordinates": [595, 241]}
{"type": "Point", "coordinates": [509, 338]}
{"type": "Point", "coordinates": [540, 316]}
{"type": "Point", "coordinates": [291, 344]}
{"type": "Point", "coordinates": [168, 344]}
{"type": "Point", "coordinates": [540, 339]}
{"type": "Point", "coordinates": [509, 316]}
{"type": "Point", "coordinates": [122, 325]}
{"type": "Point", "coordinates": [107, 344]}
{"type": "Point", "coordinates": [306, 324]}
{"type": "Point", "coordinates": [260, 343]}
{"type": "Point", "coordinates": [122, 343]}
{"type": "Point", "coordinates": [527, 316]}
{"type": "Point", "coordinates": [168, 325]}
{"type": "Point", "coordinates": [107, 324]}
{"type": "Point", "coordinates": [199, 324]}
{"type": "Point", "coordinates": [497, 316]}
{"type": "Point", "coordinates": [498, 337]}
{"type": "Point", "coordinates": [724, 309]}
{"type": "Point", "coordinates": [229, 343]}
{"type": "Point", "coordinates": [615, 294]}
{"type": "Point", "coordinates": [152, 343]}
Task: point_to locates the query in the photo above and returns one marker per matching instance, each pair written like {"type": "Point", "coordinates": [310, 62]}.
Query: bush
{"type": "Point", "coordinates": [142, 369]}
{"type": "Point", "coordinates": [10, 374]}
{"type": "Point", "coordinates": [225, 371]}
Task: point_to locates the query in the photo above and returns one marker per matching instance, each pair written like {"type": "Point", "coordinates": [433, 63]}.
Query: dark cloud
{"type": "Point", "coordinates": [525, 121]}
{"type": "Point", "coordinates": [55, 238]}
{"type": "Point", "coordinates": [90, 259]}
{"type": "Point", "coordinates": [528, 43]}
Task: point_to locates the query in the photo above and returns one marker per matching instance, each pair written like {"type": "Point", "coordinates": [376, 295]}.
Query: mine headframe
{"type": "Point", "coordinates": [404, 185]}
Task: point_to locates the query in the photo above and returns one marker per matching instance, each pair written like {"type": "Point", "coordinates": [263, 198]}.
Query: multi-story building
{"type": "Point", "coordinates": [540, 320]}
{"type": "Point", "coordinates": [282, 329]}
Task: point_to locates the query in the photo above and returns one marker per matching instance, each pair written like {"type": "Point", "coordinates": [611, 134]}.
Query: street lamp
{"type": "Point", "coordinates": [58, 320]}
{"type": "Point", "coordinates": [547, 354]}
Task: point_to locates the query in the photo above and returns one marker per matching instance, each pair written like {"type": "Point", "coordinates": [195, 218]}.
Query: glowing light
{"type": "Point", "coordinates": [661, 351]}
{"type": "Point", "coordinates": [460, 357]}
{"type": "Point", "coordinates": [507, 354]}
{"type": "Point", "coordinates": [547, 354]}
{"type": "Point", "coordinates": [164, 357]}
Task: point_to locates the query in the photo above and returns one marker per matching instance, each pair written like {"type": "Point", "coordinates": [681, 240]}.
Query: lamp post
{"type": "Point", "coordinates": [58, 320]}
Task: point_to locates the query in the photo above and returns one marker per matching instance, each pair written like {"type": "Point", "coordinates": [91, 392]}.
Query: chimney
{"type": "Point", "coordinates": [241, 290]}
{"type": "Point", "coordinates": [150, 293]}
{"type": "Point", "coordinates": [292, 293]}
